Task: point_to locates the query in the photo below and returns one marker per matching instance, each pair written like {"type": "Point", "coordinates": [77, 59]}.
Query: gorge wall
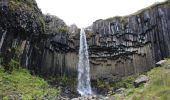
{"type": "Point", "coordinates": [122, 46]}
{"type": "Point", "coordinates": [118, 46]}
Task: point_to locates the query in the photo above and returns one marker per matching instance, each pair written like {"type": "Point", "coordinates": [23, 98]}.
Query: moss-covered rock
{"type": "Point", "coordinates": [54, 25]}
{"type": "Point", "coordinates": [22, 16]}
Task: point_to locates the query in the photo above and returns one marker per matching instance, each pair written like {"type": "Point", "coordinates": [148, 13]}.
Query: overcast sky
{"type": "Point", "coordinates": [84, 12]}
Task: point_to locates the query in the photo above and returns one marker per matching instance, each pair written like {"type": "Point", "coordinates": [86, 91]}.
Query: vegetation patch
{"type": "Point", "coordinates": [158, 88]}
{"type": "Point", "coordinates": [20, 84]}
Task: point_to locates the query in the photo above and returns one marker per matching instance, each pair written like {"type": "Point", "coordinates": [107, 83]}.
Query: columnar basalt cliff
{"type": "Point", "coordinates": [55, 53]}
{"type": "Point", "coordinates": [122, 46]}
{"type": "Point", "coordinates": [132, 44]}
{"type": "Point", "coordinates": [41, 42]}
{"type": "Point", "coordinates": [22, 21]}
{"type": "Point", "coordinates": [118, 46]}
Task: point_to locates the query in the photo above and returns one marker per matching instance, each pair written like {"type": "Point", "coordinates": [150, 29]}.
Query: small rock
{"type": "Point", "coordinates": [75, 99]}
{"type": "Point", "coordinates": [110, 98]}
{"type": "Point", "coordinates": [120, 90]}
{"type": "Point", "coordinates": [161, 62]}
{"type": "Point", "coordinates": [141, 79]}
{"type": "Point", "coordinates": [94, 96]}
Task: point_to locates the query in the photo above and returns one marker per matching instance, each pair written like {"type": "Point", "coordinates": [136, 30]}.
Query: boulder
{"type": "Point", "coordinates": [161, 62]}
{"type": "Point", "coordinates": [141, 79]}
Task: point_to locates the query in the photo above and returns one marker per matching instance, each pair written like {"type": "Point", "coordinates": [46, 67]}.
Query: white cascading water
{"type": "Point", "coordinates": [84, 85]}
{"type": "Point", "coordinates": [2, 39]}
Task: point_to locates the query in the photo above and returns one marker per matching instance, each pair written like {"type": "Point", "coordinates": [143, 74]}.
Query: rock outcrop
{"type": "Point", "coordinates": [20, 21]}
{"type": "Point", "coordinates": [118, 46]}
{"type": "Point", "coordinates": [141, 79]}
{"type": "Point", "coordinates": [54, 53]}
{"type": "Point", "coordinates": [122, 46]}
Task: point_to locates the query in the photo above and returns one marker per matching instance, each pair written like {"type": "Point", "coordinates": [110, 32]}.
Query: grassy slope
{"type": "Point", "coordinates": [158, 88]}
{"type": "Point", "coordinates": [21, 84]}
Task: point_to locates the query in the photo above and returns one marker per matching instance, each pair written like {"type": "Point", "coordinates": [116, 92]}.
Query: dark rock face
{"type": "Point", "coordinates": [53, 24]}
{"type": "Point", "coordinates": [53, 53]}
{"type": "Point", "coordinates": [42, 40]}
{"type": "Point", "coordinates": [118, 46]}
{"type": "Point", "coordinates": [56, 51]}
{"type": "Point", "coordinates": [127, 45]}
{"type": "Point", "coordinates": [21, 20]}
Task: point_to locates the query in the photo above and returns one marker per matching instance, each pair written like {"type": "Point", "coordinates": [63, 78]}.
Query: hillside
{"type": "Point", "coordinates": [20, 84]}
{"type": "Point", "coordinates": [157, 88]}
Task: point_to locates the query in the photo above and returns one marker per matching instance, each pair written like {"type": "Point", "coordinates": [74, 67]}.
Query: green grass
{"type": "Point", "coordinates": [20, 84]}
{"type": "Point", "coordinates": [158, 87]}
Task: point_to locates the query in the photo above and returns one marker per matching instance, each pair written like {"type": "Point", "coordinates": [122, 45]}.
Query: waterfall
{"type": "Point", "coordinates": [84, 85]}
{"type": "Point", "coordinates": [28, 53]}
{"type": "Point", "coordinates": [2, 39]}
